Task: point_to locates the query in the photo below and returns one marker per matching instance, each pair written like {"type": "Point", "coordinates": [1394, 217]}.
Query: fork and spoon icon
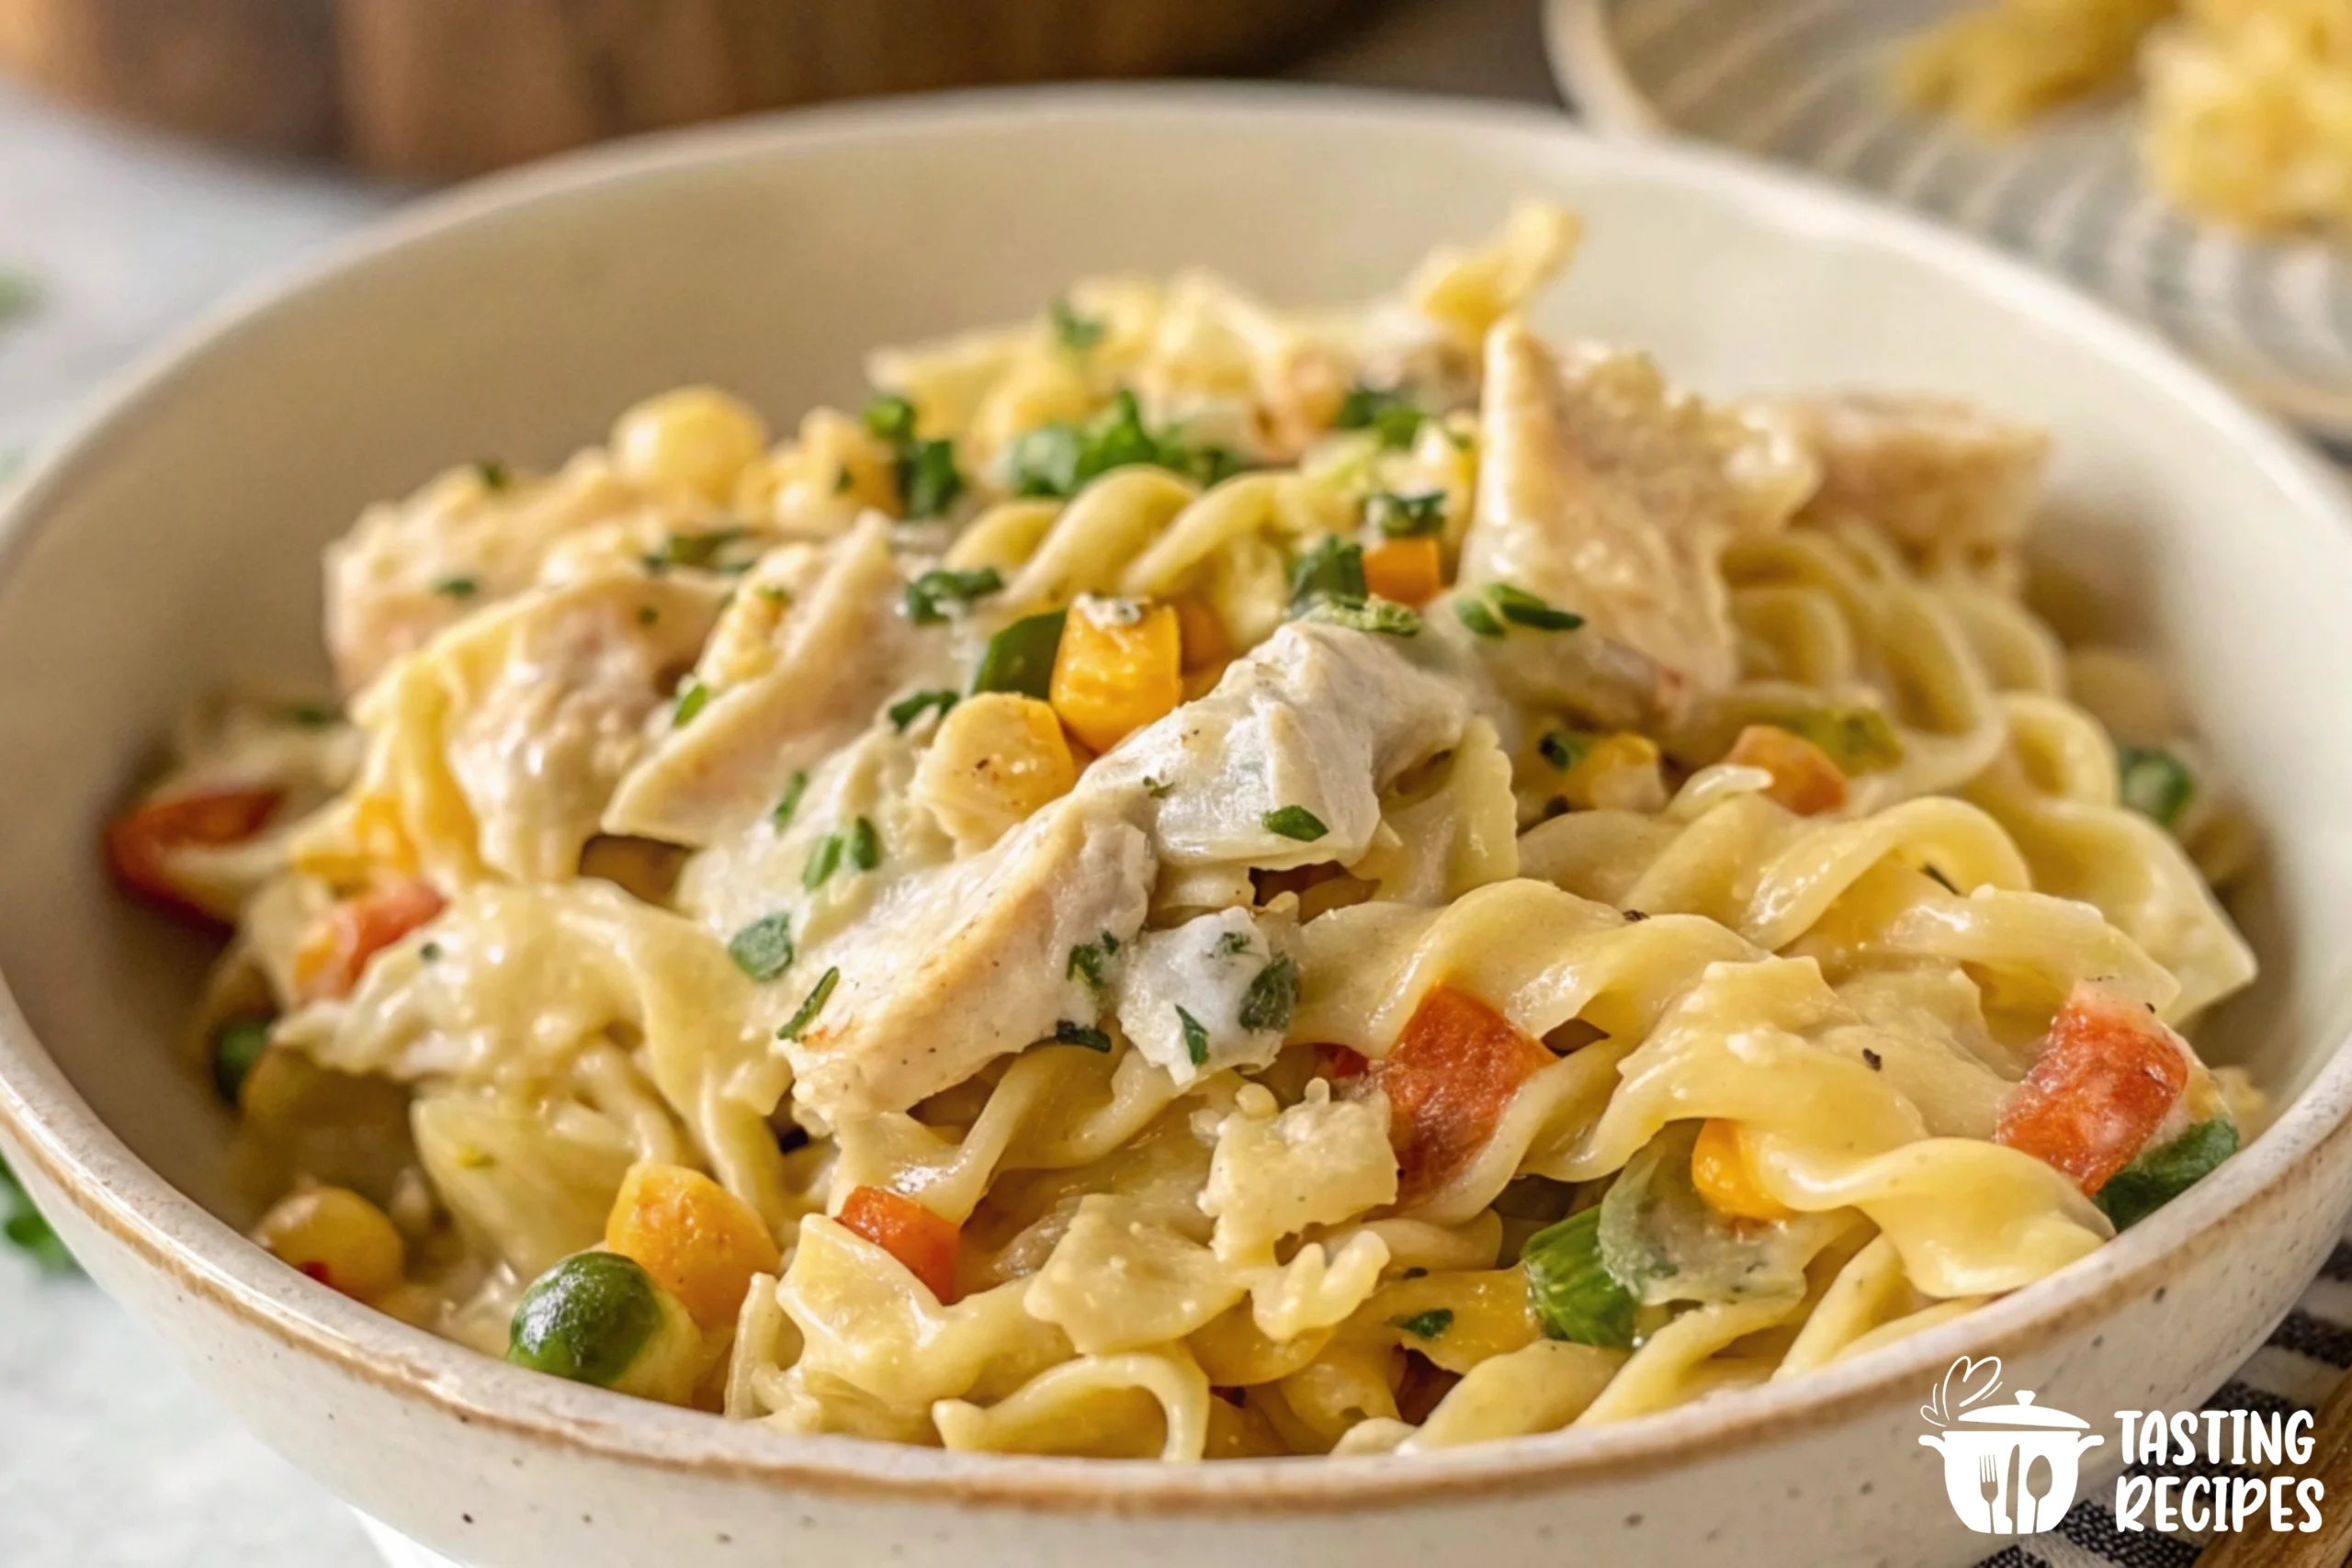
{"type": "Point", "coordinates": [2029, 1481]}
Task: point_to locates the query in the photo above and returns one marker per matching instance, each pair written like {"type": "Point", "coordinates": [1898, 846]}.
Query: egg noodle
{"type": "Point", "coordinates": [1200, 882]}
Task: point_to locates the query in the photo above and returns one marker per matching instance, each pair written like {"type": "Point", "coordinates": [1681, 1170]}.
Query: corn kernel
{"type": "Point", "coordinates": [1410, 572]}
{"type": "Point", "coordinates": [695, 439]}
{"type": "Point", "coordinates": [1118, 669]}
{"type": "Point", "coordinates": [1618, 773]}
{"type": "Point", "coordinates": [1721, 1171]}
{"type": "Point", "coordinates": [699, 1241]}
{"type": "Point", "coordinates": [338, 1238]}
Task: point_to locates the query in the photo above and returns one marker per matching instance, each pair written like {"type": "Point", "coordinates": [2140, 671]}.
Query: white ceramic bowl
{"type": "Point", "coordinates": [173, 542]}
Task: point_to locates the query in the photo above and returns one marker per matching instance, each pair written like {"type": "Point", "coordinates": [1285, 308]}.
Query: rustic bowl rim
{"type": "Point", "coordinates": [56, 1138]}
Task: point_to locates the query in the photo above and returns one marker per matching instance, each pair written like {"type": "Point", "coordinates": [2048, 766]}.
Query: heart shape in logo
{"type": "Point", "coordinates": [1969, 1380]}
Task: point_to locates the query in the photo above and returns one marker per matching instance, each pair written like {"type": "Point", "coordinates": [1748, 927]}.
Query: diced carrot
{"type": "Point", "coordinates": [925, 1243]}
{"type": "Point", "coordinates": [1119, 667]}
{"type": "Point", "coordinates": [1804, 778]}
{"type": "Point", "coordinates": [1448, 1080]}
{"type": "Point", "coordinates": [1200, 634]}
{"type": "Point", "coordinates": [142, 841]}
{"type": "Point", "coordinates": [2108, 1075]}
{"type": "Point", "coordinates": [699, 1241]}
{"type": "Point", "coordinates": [1721, 1171]}
{"type": "Point", "coordinates": [1410, 572]}
{"type": "Point", "coordinates": [336, 948]}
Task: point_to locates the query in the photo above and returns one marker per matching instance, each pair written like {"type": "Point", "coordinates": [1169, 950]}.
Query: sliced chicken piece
{"type": "Point", "coordinates": [1283, 763]}
{"type": "Point", "coordinates": [1945, 481]}
{"type": "Point", "coordinates": [954, 967]}
{"type": "Point", "coordinates": [474, 536]}
{"type": "Point", "coordinates": [841, 649]}
{"type": "Point", "coordinates": [1609, 493]}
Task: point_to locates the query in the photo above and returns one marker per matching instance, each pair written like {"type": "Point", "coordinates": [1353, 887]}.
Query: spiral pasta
{"type": "Point", "coordinates": [1202, 882]}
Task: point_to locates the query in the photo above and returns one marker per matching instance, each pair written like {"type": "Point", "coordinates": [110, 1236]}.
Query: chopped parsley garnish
{"type": "Point", "coordinates": [1473, 613]}
{"type": "Point", "coordinates": [458, 588]}
{"type": "Point", "coordinates": [1069, 1033]}
{"type": "Point", "coordinates": [311, 715]}
{"type": "Point", "coordinates": [864, 846]}
{"type": "Point", "coordinates": [823, 860]}
{"type": "Point", "coordinates": [906, 710]}
{"type": "Point", "coordinates": [1197, 1038]}
{"type": "Point", "coordinates": [1333, 568]}
{"type": "Point", "coordinates": [1232, 942]}
{"type": "Point", "coordinates": [1384, 616]}
{"type": "Point", "coordinates": [1858, 739]}
{"type": "Point", "coordinates": [1073, 331]}
{"type": "Point", "coordinates": [780, 814]}
{"type": "Point", "coordinates": [2153, 782]}
{"type": "Point", "coordinates": [1091, 961]}
{"type": "Point", "coordinates": [1524, 609]}
{"type": "Point", "coordinates": [1267, 1005]}
{"type": "Point", "coordinates": [2162, 1174]}
{"type": "Point", "coordinates": [928, 480]}
{"type": "Point", "coordinates": [237, 1044]}
{"type": "Point", "coordinates": [1157, 788]}
{"type": "Point", "coordinates": [700, 549]}
{"type": "Point", "coordinates": [810, 1009]}
{"type": "Point", "coordinates": [1406, 516]}
{"type": "Point", "coordinates": [764, 949]}
{"type": "Point", "coordinates": [430, 952]}
{"type": "Point", "coordinates": [927, 593]}
{"type": "Point", "coordinates": [1294, 822]}
{"type": "Point", "coordinates": [493, 473]}
{"type": "Point", "coordinates": [1575, 1296]}
{"type": "Point", "coordinates": [1425, 1324]}
{"type": "Point", "coordinates": [693, 697]}
{"type": "Point", "coordinates": [1021, 657]}
{"type": "Point", "coordinates": [27, 1230]}
{"type": "Point", "coordinates": [1562, 750]}
{"type": "Point", "coordinates": [1385, 412]}
{"type": "Point", "coordinates": [1061, 458]}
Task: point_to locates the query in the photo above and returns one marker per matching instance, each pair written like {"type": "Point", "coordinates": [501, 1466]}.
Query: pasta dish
{"type": "Point", "coordinates": [1197, 881]}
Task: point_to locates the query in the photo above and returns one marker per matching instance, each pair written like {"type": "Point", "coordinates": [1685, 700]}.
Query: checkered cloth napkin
{"type": "Point", "coordinates": [2297, 1370]}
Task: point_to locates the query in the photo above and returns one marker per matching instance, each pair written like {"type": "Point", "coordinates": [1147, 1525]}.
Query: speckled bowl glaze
{"type": "Point", "coordinates": [172, 544]}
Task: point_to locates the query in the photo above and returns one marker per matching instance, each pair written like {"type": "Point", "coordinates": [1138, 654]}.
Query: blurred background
{"type": "Point", "coordinates": [159, 155]}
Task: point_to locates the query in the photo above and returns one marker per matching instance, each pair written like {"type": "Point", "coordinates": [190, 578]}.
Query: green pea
{"type": "Point", "coordinates": [588, 1319]}
{"type": "Point", "coordinates": [237, 1044]}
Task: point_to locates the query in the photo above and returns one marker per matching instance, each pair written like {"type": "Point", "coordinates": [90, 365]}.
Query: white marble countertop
{"type": "Point", "coordinates": [110, 1456]}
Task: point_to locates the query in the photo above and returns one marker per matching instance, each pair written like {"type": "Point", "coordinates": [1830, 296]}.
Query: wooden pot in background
{"type": "Point", "coordinates": [435, 89]}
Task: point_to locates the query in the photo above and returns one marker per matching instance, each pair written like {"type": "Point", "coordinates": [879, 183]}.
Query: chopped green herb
{"type": "Point", "coordinates": [1069, 1033]}
{"type": "Point", "coordinates": [1522, 608]}
{"type": "Point", "coordinates": [1936, 876]}
{"type": "Point", "coordinates": [1157, 788]}
{"type": "Point", "coordinates": [906, 710]}
{"type": "Point", "coordinates": [823, 860]}
{"type": "Point", "coordinates": [764, 949]}
{"type": "Point", "coordinates": [430, 952]}
{"type": "Point", "coordinates": [1294, 822]}
{"type": "Point", "coordinates": [865, 845]}
{"type": "Point", "coordinates": [2153, 782]}
{"type": "Point", "coordinates": [1858, 739]}
{"type": "Point", "coordinates": [493, 473]}
{"type": "Point", "coordinates": [691, 698]}
{"type": "Point", "coordinates": [843, 481]}
{"type": "Point", "coordinates": [891, 418]}
{"type": "Point", "coordinates": [774, 592]}
{"type": "Point", "coordinates": [1575, 1296]}
{"type": "Point", "coordinates": [1061, 458]}
{"type": "Point", "coordinates": [311, 715]}
{"type": "Point", "coordinates": [927, 592]}
{"type": "Point", "coordinates": [1232, 942]}
{"type": "Point", "coordinates": [1425, 1324]}
{"type": "Point", "coordinates": [1091, 961]}
{"type": "Point", "coordinates": [810, 1009]}
{"type": "Point", "coordinates": [1333, 568]}
{"type": "Point", "coordinates": [647, 615]}
{"type": "Point", "coordinates": [1197, 1038]}
{"type": "Point", "coordinates": [1021, 657]}
{"type": "Point", "coordinates": [780, 814]}
{"type": "Point", "coordinates": [1073, 331]}
{"type": "Point", "coordinates": [929, 478]}
{"type": "Point", "coordinates": [1382, 616]}
{"type": "Point", "coordinates": [1385, 412]}
{"type": "Point", "coordinates": [25, 1228]}
{"type": "Point", "coordinates": [237, 1044]}
{"type": "Point", "coordinates": [2161, 1175]}
{"type": "Point", "coordinates": [1473, 613]}
{"type": "Point", "coordinates": [458, 588]}
{"type": "Point", "coordinates": [1271, 997]}
{"type": "Point", "coordinates": [700, 549]}
{"type": "Point", "coordinates": [1406, 516]}
{"type": "Point", "coordinates": [1562, 750]}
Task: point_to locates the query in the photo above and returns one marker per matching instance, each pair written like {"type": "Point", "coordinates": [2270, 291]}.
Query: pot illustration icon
{"type": "Point", "coordinates": [2011, 1469]}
